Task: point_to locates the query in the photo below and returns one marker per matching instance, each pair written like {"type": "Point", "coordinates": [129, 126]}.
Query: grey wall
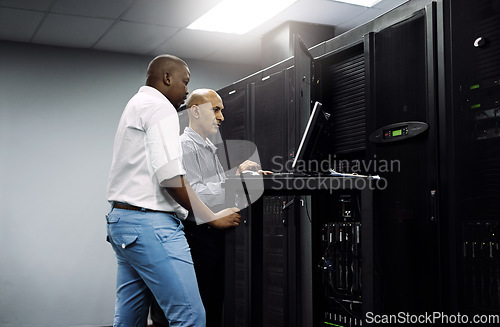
{"type": "Point", "coordinates": [59, 109]}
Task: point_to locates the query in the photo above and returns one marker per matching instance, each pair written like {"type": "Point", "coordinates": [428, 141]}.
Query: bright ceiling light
{"type": "Point", "coordinates": [364, 3]}
{"type": "Point", "coordinates": [239, 16]}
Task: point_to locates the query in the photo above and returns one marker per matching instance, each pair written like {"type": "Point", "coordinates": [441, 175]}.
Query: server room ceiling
{"type": "Point", "coordinates": [152, 27]}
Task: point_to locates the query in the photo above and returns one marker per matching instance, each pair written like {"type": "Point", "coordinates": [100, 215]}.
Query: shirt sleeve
{"type": "Point", "coordinates": [163, 149]}
{"type": "Point", "coordinates": [210, 193]}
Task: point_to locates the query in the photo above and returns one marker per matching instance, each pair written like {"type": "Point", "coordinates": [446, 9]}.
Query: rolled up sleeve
{"type": "Point", "coordinates": [163, 147]}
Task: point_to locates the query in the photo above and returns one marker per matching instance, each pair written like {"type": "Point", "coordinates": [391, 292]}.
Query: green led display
{"type": "Point", "coordinates": [475, 86]}
{"type": "Point", "coordinates": [397, 132]}
{"type": "Point", "coordinates": [475, 106]}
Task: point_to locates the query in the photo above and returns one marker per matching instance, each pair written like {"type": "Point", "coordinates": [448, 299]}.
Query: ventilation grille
{"type": "Point", "coordinates": [488, 184]}
{"type": "Point", "coordinates": [235, 128]}
{"type": "Point", "coordinates": [347, 99]}
{"type": "Point", "coordinates": [488, 63]}
{"type": "Point", "coordinates": [274, 259]}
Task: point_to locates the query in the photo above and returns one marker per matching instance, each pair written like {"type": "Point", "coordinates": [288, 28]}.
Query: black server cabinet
{"type": "Point", "coordinates": [402, 146]}
{"type": "Point", "coordinates": [269, 119]}
{"type": "Point", "coordinates": [424, 91]}
{"type": "Point", "coordinates": [238, 99]}
{"type": "Point", "coordinates": [341, 293]}
{"type": "Point", "coordinates": [270, 109]}
{"type": "Point", "coordinates": [470, 125]}
{"type": "Point", "coordinates": [270, 234]}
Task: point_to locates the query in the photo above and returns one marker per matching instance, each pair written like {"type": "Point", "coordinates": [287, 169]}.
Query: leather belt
{"type": "Point", "coordinates": [119, 205]}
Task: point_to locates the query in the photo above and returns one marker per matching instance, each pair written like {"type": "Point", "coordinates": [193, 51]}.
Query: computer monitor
{"type": "Point", "coordinates": [311, 138]}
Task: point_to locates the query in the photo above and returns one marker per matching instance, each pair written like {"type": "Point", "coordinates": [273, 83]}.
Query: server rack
{"type": "Point", "coordinates": [267, 114]}
{"type": "Point", "coordinates": [340, 298]}
{"type": "Point", "coordinates": [436, 228]}
{"type": "Point", "coordinates": [402, 129]}
{"type": "Point", "coordinates": [239, 99]}
{"type": "Point", "coordinates": [285, 260]}
{"type": "Point", "coordinates": [470, 137]}
{"type": "Point", "coordinates": [374, 87]}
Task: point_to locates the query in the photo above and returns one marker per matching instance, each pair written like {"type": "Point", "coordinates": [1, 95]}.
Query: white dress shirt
{"type": "Point", "coordinates": [147, 151]}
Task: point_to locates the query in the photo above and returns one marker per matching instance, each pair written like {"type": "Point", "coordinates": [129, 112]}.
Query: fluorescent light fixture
{"type": "Point", "coordinates": [364, 3]}
{"type": "Point", "coordinates": [239, 16]}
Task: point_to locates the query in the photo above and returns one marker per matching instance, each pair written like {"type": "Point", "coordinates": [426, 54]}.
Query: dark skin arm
{"type": "Point", "coordinates": [182, 192]}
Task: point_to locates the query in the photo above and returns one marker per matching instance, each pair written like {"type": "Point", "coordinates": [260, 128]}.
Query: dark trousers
{"type": "Point", "coordinates": [207, 251]}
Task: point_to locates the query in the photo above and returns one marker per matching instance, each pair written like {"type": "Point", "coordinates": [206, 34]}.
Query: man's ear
{"type": "Point", "coordinates": [196, 111]}
{"type": "Point", "coordinates": [167, 79]}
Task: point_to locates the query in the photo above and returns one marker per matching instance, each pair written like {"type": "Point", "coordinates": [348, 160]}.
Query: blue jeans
{"type": "Point", "coordinates": [153, 256]}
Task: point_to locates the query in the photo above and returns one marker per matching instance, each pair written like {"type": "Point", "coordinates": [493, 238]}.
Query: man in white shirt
{"type": "Point", "coordinates": [149, 197]}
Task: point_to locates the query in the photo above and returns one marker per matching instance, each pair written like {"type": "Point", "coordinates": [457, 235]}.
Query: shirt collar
{"type": "Point", "coordinates": [153, 92]}
{"type": "Point", "coordinates": [198, 139]}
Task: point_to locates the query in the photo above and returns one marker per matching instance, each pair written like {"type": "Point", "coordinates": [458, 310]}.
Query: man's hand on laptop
{"type": "Point", "coordinates": [249, 165]}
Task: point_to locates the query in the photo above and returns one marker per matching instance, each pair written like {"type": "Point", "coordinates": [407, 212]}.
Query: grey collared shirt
{"type": "Point", "coordinates": [203, 168]}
